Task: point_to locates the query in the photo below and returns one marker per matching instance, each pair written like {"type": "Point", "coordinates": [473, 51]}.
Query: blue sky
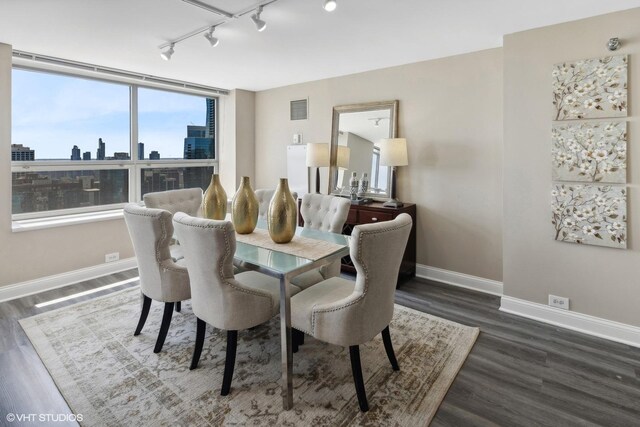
{"type": "Point", "coordinates": [52, 113]}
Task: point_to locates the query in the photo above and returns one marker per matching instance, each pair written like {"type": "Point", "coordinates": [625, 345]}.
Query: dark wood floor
{"type": "Point", "coordinates": [519, 373]}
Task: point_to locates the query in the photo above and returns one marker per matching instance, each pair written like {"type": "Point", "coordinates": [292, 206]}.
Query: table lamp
{"type": "Point", "coordinates": [318, 157]}
{"type": "Point", "coordinates": [393, 152]}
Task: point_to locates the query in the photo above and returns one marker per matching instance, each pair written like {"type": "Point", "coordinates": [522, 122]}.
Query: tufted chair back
{"type": "Point", "coordinates": [217, 297]}
{"type": "Point", "coordinates": [264, 196]}
{"type": "Point", "coordinates": [151, 231]}
{"type": "Point", "coordinates": [187, 200]}
{"type": "Point", "coordinates": [376, 251]}
{"type": "Point", "coordinates": [326, 213]}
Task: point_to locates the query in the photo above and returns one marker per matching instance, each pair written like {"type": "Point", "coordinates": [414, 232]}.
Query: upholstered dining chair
{"type": "Point", "coordinates": [347, 313]}
{"type": "Point", "coordinates": [326, 213]}
{"type": "Point", "coordinates": [162, 278]}
{"type": "Point", "coordinates": [264, 196]}
{"type": "Point", "coordinates": [187, 200]}
{"type": "Point", "coordinates": [220, 298]}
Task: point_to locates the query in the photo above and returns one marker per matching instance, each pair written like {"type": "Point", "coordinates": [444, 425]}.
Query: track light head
{"type": "Point", "coordinates": [260, 24]}
{"type": "Point", "coordinates": [209, 36]}
{"type": "Point", "coordinates": [166, 55]}
{"type": "Point", "coordinates": [330, 5]}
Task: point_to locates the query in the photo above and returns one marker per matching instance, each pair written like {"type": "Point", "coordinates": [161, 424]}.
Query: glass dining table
{"type": "Point", "coordinates": [285, 266]}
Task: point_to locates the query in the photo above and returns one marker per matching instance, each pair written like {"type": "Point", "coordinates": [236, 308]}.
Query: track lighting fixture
{"type": "Point", "coordinates": [166, 55]}
{"type": "Point", "coordinates": [330, 5]}
{"type": "Point", "coordinates": [260, 24]}
{"type": "Point", "coordinates": [209, 36]}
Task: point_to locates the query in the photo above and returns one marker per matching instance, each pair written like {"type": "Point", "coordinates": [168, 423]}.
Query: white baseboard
{"type": "Point", "coordinates": [590, 325]}
{"type": "Point", "coordinates": [460, 280]}
{"type": "Point", "coordinates": [31, 287]}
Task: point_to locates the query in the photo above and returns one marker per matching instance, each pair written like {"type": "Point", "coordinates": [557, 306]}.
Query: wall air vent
{"type": "Point", "coordinates": [299, 109]}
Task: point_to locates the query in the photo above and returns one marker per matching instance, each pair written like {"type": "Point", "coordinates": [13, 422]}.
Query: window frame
{"type": "Point", "coordinates": [134, 166]}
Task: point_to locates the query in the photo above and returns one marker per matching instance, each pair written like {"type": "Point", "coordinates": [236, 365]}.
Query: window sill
{"type": "Point", "coordinates": [64, 220]}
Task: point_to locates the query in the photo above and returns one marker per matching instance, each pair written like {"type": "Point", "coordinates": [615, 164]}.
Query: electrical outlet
{"type": "Point", "coordinates": [559, 302]}
{"type": "Point", "coordinates": [112, 257]}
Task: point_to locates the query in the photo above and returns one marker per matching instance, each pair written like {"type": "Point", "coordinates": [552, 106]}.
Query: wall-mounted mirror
{"type": "Point", "coordinates": [360, 127]}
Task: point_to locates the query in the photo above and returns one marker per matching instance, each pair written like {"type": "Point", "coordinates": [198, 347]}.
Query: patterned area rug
{"type": "Point", "coordinates": [113, 378]}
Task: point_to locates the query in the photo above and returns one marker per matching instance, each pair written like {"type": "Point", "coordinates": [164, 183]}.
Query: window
{"type": "Point", "coordinates": [79, 146]}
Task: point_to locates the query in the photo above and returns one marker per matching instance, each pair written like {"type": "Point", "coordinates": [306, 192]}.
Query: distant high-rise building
{"type": "Point", "coordinates": [154, 155]}
{"type": "Point", "coordinates": [86, 155]}
{"type": "Point", "coordinates": [140, 151]}
{"type": "Point", "coordinates": [197, 145]}
{"type": "Point", "coordinates": [20, 153]}
{"type": "Point", "coordinates": [211, 118]}
{"type": "Point", "coordinates": [120, 156]}
{"type": "Point", "coordinates": [75, 153]}
{"type": "Point", "coordinates": [101, 150]}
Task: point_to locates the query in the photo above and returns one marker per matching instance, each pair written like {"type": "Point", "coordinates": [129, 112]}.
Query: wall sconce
{"type": "Point", "coordinates": [613, 43]}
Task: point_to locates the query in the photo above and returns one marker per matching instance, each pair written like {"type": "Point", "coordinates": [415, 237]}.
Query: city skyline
{"type": "Point", "coordinates": [52, 113]}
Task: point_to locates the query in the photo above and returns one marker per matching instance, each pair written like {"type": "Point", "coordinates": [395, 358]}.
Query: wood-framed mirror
{"type": "Point", "coordinates": [360, 127]}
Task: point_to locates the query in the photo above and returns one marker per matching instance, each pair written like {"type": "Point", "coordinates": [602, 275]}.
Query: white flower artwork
{"type": "Point", "coordinates": [590, 214]}
{"type": "Point", "coordinates": [590, 152]}
{"type": "Point", "coordinates": [591, 88]}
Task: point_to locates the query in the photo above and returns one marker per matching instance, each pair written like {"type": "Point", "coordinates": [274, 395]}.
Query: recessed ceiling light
{"type": "Point", "coordinates": [330, 5]}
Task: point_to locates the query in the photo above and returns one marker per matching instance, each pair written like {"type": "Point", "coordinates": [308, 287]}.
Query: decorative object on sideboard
{"type": "Point", "coordinates": [318, 157]}
{"type": "Point", "coordinates": [364, 185]}
{"type": "Point", "coordinates": [282, 214]}
{"type": "Point", "coordinates": [353, 187]}
{"type": "Point", "coordinates": [214, 202]}
{"type": "Point", "coordinates": [244, 208]}
{"type": "Point", "coordinates": [393, 152]}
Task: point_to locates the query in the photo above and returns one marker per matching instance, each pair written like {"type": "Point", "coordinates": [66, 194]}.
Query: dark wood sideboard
{"type": "Point", "coordinates": [375, 212]}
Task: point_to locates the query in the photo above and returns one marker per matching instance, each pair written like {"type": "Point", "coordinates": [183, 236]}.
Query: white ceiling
{"type": "Point", "coordinates": [302, 42]}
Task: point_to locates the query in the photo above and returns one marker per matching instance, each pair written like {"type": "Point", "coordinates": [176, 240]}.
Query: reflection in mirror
{"type": "Point", "coordinates": [357, 131]}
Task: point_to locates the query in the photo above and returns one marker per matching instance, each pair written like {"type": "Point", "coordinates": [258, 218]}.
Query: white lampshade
{"type": "Point", "coordinates": [343, 157]}
{"type": "Point", "coordinates": [393, 152]}
{"type": "Point", "coordinates": [317, 155]}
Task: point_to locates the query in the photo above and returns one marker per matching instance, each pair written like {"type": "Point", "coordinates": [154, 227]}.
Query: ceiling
{"type": "Point", "coordinates": [302, 42]}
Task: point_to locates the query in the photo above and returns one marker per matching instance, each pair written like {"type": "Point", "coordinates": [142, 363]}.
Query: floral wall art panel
{"type": "Point", "coordinates": [590, 214]}
{"type": "Point", "coordinates": [591, 88]}
{"type": "Point", "coordinates": [590, 152]}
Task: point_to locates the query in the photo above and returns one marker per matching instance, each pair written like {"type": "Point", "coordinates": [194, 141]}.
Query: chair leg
{"type": "Point", "coordinates": [295, 339]}
{"type": "Point", "coordinates": [356, 368]}
{"type": "Point", "coordinates": [201, 328]}
{"type": "Point", "coordinates": [178, 306]}
{"type": "Point", "coordinates": [164, 327]}
{"type": "Point", "coordinates": [386, 338]}
{"type": "Point", "coordinates": [232, 342]}
{"type": "Point", "coordinates": [146, 305]}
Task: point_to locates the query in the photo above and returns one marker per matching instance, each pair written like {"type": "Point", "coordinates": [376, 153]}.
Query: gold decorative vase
{"type": "Point", "coordinates": [244, 208]}
{"type": "Point", "coordinates": [282, 214]}
{"type": "Point", "coordinates": [215, 199]}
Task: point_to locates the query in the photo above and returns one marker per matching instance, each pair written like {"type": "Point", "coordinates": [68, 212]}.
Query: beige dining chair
{"type": "Point", "coordinates": [325, 213]}
{"type": "Point", "coordinates": [220, 298]}
{"type": "Point", "coordinates": [264, 196]}
{"type": "Point", "coordinates": [347, 313]}
{"type": "Point", "coordinates": [161, 277]}
{"type": "Point", "coordinates": [187, 200]}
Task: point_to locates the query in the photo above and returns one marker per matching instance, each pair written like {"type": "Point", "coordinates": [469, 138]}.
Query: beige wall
{"type": "Point", "coordinates": [451, 114]}
{"type": "Point", "coordinates": [33, 254]}
{"type": "Point", "coordinates": [599, 281]}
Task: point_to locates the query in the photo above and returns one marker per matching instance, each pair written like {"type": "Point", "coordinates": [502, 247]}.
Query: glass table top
{"type": "Point", "coordinates": [281, 262]}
